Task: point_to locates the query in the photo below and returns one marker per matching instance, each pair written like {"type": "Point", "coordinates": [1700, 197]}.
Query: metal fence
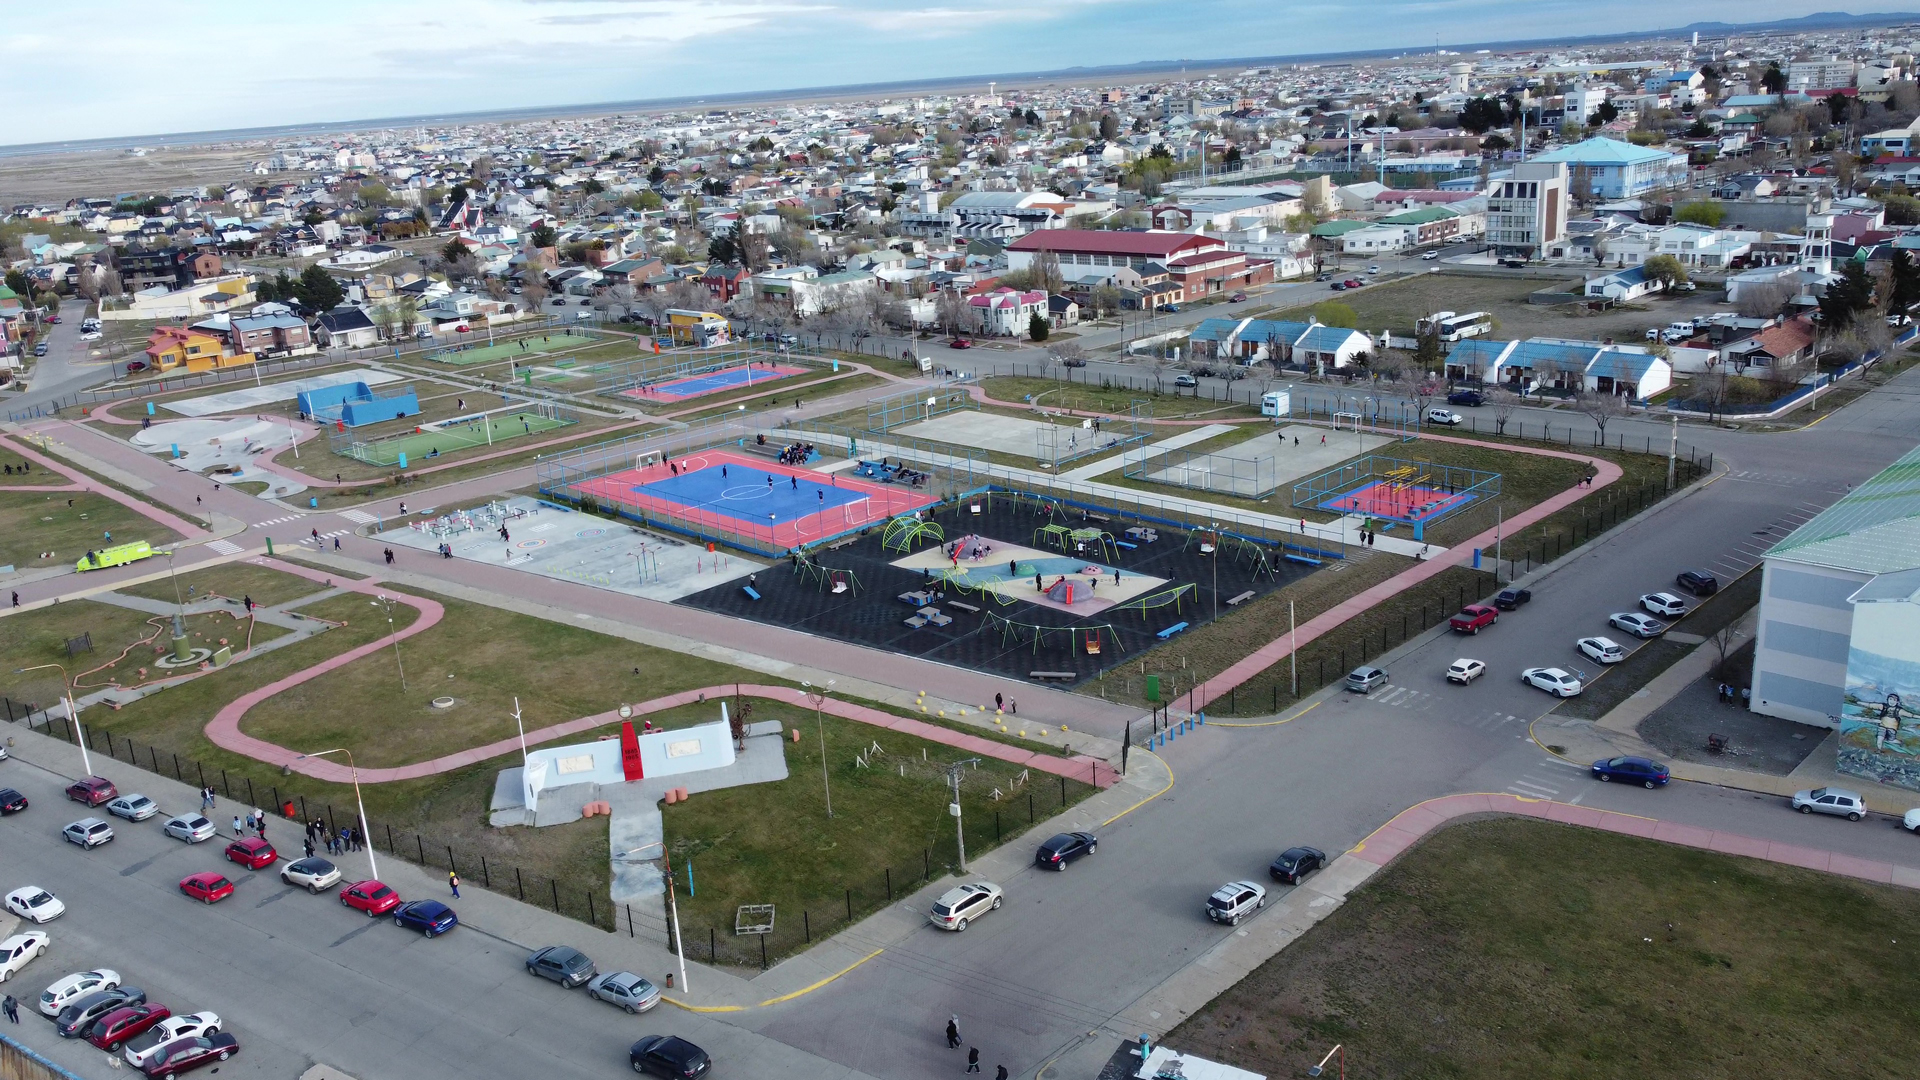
{"type": "Point", "coordinates": [621, 376]}
{"type": "Point", "coordinates": [1249, 477]}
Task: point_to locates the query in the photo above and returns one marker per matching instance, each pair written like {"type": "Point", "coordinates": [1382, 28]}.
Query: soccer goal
{"type": "Point", "coordinates": [1346, 421]}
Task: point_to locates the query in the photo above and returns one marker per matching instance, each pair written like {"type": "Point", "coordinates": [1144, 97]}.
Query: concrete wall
{"type": "Point", "coordinates": [362, 413]}
{"type": "Point", "coordinates": [1800, 648]}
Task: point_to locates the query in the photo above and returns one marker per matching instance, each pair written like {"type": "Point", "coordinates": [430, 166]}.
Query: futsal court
{"type": "Point", "coordinates": [1408, 502]}
{"type": "Point", "coordinates": [712, 382]}
{"type": "Point", "coordinates": [466, 355]}
{"type": "Point", "coordinates": [783, 505]}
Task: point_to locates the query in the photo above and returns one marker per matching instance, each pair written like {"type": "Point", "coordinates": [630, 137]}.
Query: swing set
{"type": "Point", "coordinates": [1093, 639]}
{"type": "Point", "coordinates": [829, 579]}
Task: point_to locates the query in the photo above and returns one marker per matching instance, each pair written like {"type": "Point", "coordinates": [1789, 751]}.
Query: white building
{"type": "Point", "coordinates": [1528, 210]}
{"type": "Point", "coordinates": [1828, 73]}
{"type": "Point", "coordinates": [1005, 312]}
{"type": "Point", "coordinates": [1695, 246]}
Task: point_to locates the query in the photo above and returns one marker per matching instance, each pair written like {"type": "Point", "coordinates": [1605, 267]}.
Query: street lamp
{"type": "Point", "coordinates": [73, 712]}
{"type": "Point", "coordinates": [386, 603]}
{"type": "Point", "coordinates": [818, 695]}
{"type": "Point", "coordinates": [1338, 1049]}
{"type": "Point", "coordinates": [178, 604]}
{"type": "Point", "coordinates": [1215, 526]}
{"type": "Point", "coordinates": [365, 836]}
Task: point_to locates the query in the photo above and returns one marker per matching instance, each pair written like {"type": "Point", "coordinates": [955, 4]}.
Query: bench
{"type": "Point", "coordinates": [938, 619]}
{"type": "Point", "coordinates": [1124, 544]}
{"type": "Point", "coordinates": [1063, 676]}
{"type": "Point", "coordinates": [1290, 557]}
{"type": "Point", "coordinates": [1236, 601]}
{"type": "Point", "coordinates": [915, 622]}
{"type": "Point", "coordinates": [750, 591]}
{"type": "Point", "coordinates": [1170, 631]}
{"type": "Point", "coordinates": [963, 606]}
{"type": "Point", "coordinates": [1101, 518]}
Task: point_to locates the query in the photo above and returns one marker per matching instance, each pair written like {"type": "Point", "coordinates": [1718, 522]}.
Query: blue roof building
{"type": "Point", "coordinates": [1618, 170]}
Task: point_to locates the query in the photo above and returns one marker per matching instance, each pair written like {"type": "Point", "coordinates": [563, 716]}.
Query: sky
{"type": "Point", "coordinates": [116, 68]}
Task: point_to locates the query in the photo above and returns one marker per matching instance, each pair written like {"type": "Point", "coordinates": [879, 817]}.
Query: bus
{"type": "Point", "coordinates": [1454, 327]}
{"type": "Point", "coordinates": [117, 555]}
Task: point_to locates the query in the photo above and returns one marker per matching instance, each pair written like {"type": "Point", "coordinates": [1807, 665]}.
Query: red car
{"type": "Point", "coordinates": [121, 1025]}
{"type": "Point", "coordinates": [209, 886]}
{"type": "Point", "coordinates": [181, 1055]}
{"type": "Point", "coordinates": [371, 897]}
{"type": "Point", "coordinates": [253, 853]}
{"type": "Point", "coordinates": [1473, 617]}
{"type": "Point", "coordinates": [93, 791]}
{"type": "Point", "coordinates": [960, 343]}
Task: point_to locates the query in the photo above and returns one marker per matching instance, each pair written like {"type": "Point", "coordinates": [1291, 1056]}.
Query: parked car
{"type": "Point", "coordinates": [88, 832]}
{"type": "Point", "coordinates": [92, 791]}
{"type": "Point", "coordinates": [208, 886]}
{"type": "Point", "coordinates": [668, 1055]}
{"type": "Point", "coordinates": [1470, 398]}
{"type": "Point", "coordinates": [1601, 650]}
{"type": "Point", "coordinates": [133, 807]}
{"type": "Point", "coordinates": [960, 343]}
{"type": "Point", "coordinates": [1562, 684]}
{"type": "Point", "coordinates": [1338, 286]}
{"type": "Point", "coordinates": [1664, 603]}
{"type": "Point", "coordinates": [1184, 379]}
{"type": "Point", "coordinates": [117, 1027]}
{"type": "Point", "coordinates": [141, 1050]}
{"type": "Point", "coordinates": [370, 896]}
{"type": "Point", "coordinates": [1464, 671]}
{"type": "Point", "coordinates": [183, 1055]}
{"type": "Point", "coordinates": [1910, 822]}
{"type": "Point", "coordinates": [1831, 800]}
{"type": "Point", "coordinates": [625, 989]}
{"type": "Point", "coordinates": [1510, 599]}
{"type": "Point", "coordinates": [1074, 361]}
{"type": "Point", "coordinates": [1235, 901]}
{"type": "Point", "coordinates": [252, 852]}
{"type": "Point", "coordinates": [1294, 864]}
{"type": "Point", "coordinates": [563, 964]}
{"type": "Point", "coordinates": [35, 904]}
{"type": "Point", "coordinates": [1632, 770]}
{"type": "Point", "coordinates": [192, 828]}
{"type": "Point", "coordinates": [1445, 416]}
{"type": "Point", "coordinates": [1698, 582]}
{"type": "Point", "coordinates": [1363, 679]}
{"type": "Point", "coordinates": [79, 1015]}
{"type": "Point", "coordinates": [75, 986]}
{"type": "Point", "coordinates": [430, 917]}
{"type": "Point", "coordinates": [1237, 298]}
{"type": "Point", "coordinates": [40, 349]}
{"type": "Point", "coordinates": [134, 367]}
{"type": "Point", "coordinates": [1170, 309]}
{"type": "Point", "coordinates": [53, 318]}
{"type": "Point", "coordinates": [962, 904]}
{"type": "Point", "coordinates": [1354, 283]}
{"type": "Point", "coordinates": [20, 950]}
{"type": "Point", "coordinates": [1059, 850]}
{"type": "Point", "coordinates": [315, 875]}
{"type": "Point", "coordinates": [11, 801]}
{"type": "Point", "coordinates": [1638, 625]}
{"type": "Point", "coordinates": [1474, 617]}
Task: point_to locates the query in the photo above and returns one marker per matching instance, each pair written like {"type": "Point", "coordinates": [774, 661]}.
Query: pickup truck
{"type": "Point", "coordinates": [1473, 617]}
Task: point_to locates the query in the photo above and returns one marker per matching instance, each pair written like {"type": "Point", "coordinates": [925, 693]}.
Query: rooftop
{"type": "Point", "coordinates": [1873, 529]}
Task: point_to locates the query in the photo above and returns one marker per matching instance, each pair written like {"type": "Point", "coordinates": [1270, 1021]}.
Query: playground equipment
{"type": "Point", "coordinates": [902, 533]}
{"type": "Point", "coordinates": [1090, 638]}
{"type": "Point", "coordinates": [828, 579]}
{"type": "Point", "coordinates": [488, 518]}
{"type": "Point", "coordinates": [1163, 598]}
{"type": "Point", "coordinates": [1256, 554]}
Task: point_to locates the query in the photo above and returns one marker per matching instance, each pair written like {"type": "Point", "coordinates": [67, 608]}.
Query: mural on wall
{"type": "Point", "coordinates": [1879, 721]}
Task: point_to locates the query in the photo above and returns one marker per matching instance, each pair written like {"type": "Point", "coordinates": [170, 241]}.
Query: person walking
{"type": "Point", "coordinates": [973, 1059]}
{"type": "Point", "coordinates": [1001, 1073]}
{"type": "Point", "coordinates": [336, 543]}
{"type": "Point", "coordinates": [453, 882]}
{"type": "Point", "coordinates": [308, 844]}
{"type": "Point", "coordinates": [953, 1033]}
{"type": "Point", "coordinates": [238, 832]}
{"type": "Point", "coordinates": [16, 599]}
{"type": "Point", "coordinates": [389, 554]}
{"type": "Point", "coordinates": [11, 1008]}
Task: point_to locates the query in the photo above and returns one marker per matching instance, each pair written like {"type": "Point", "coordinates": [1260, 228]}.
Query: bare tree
{"type": "Point", "coordinates": [534, 290]}
{"type": "Point", "coordinates": [949, 308]}
{"type": "Point", "coordinates": [1711, 388]}
{"type": "Point", "coordinates": [1063, 352]}
{"type": "Point", "coordinates": [1763, 301]}
{"type": "Point", "coordinates": [1602, 408]}
{"type": "Point", "coordinates": [1504, 403]}
{"type": "Point", "coordinates": [1425, 388]}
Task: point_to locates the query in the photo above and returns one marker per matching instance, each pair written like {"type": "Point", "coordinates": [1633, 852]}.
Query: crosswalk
{"type": "Point", "coordinates": [1421, 701]}
{"type": "Point", "coordinates": [276, 521]}
{"type": "Point", "coordinates": [223, 547]}
{"type": "Point", "coordinates": [1547, 778]}
{"type": "Point", "coordinates": [358, 517]}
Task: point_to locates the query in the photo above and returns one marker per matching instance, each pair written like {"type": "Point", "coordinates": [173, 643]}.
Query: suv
{"type": "Point", "coordinates": [1831, 800]}
{"type": "Point", "coordinates": [1235, 901]}
{"type": "Point", "coordinates": [668, 1055]}
{"type": "Point", "coordinates": [93, 791]}
{"type": "Point", "coordinates": [1445, 416]}
{"type": "Point", "coordinates": [1698, 582]}
{"type": "Point", "coordinates": [1185, 380]}
{"type": "Point", "coordinates": [1473, 617]}
{"type": "Point", "coordinates": [1363, 679]}
{"type": "Point", "coordinates": [962, 904]}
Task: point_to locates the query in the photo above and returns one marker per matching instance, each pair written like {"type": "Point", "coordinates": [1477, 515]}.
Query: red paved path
{"type": "Point", "coordinates": [187, 529]}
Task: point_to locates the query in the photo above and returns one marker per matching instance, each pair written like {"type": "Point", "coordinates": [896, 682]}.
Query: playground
{"type": "Point", "coordinates": [754, 499]}
{"type": "Point", "coordinates": [1416, 493]}
{"type": "Point", "coordinates": [714, 382]}
{"type": "Point", "coordinates": [955, 584]}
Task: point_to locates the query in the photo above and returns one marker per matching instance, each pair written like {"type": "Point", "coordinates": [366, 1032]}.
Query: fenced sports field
{"type": "Point", "coordinates": [528, 347]}
{"type": "Point", "coordinates": [427, 443]}
{"type": "Point", "coordinates": [1416, 493]}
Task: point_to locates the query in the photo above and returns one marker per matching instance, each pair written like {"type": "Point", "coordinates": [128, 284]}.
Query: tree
{"type": "Point", "coordinates": [1700, 130]}
{"type": "Point", "coordinates": [1901, 209]}
{"type": "Point", "coordinates": [722, 249]}
{"type": "Point", "coordinates": [1109, 127]}
{"type": "Point", "coordinates": [1846, 297]}
{"type": "Point", "coordinates": [1601, 408]}
{"type": "Point", "coordinates": [1666, 270]}
{"type": "Point", "coordinates": [216, 193]}
{"type": "Point", "coordinates": [1763, 301]}
{"type": "Point", "coordinates": [383, 320]}
{"type": "Point", "coordinates": [17, 281]}
{"type": "Point", "coordinates": [1060, 352]}
{"type": "Point", "coordinates": [453, 251]}
{"type": "Point", "coordinates": [1903, 282]}
{"type": "Point", "coordinates": [542, 236]}
{"type": "Point", "coordinates": [1037, 328]}
{"type": "Point", "coordinates": [1710, 389]}
{"type": "Point", "coordinates": [1428, 357]}
{"type": "Point", "coordinates": [1774, 81]}
{"type": "Point", "coordinates": [1607, 113]}
{"type": "Point", "coordinates": [317, 291]}
{"type": "Point", "coordinates": [1424, 390]}
{"type": "Point", "coordinates": [1701, 212]}
{"type": "Point", "coordinates": [1504, 404]}
{"type": "Point", "coordinates": [1496, 143]}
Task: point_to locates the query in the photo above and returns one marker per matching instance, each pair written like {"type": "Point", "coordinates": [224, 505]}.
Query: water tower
{"type": "Point", "coordinates": [1458, 76]}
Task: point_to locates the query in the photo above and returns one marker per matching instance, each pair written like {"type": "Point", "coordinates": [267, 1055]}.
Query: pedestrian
{"type": "Point", "coordinates": [336, 543]}
{"type": "Point", "coordinates": [1036, 583]}
{"type": "Point", "coordinates": [196, 500]}
{"type": "Point", "coordinates": [723, 472]}
{"type": "Point", "coordinates": [389, 552]}
{"type": "Point", "coordinates": [309, 845]}
{"type": "Point", "coordinates": [769, 481]}
{"type": "Point", "coordinates": [1323, 440]}
{"type": "Point", "coordinates": [999, 703]}
{"type": "Point", "coordinates": [795, 481]}
{"type": "Point", "coordinates": [16, 599]}
{"type": "Point", "coordinates": [247, 601]}
{"type": "Point", "coordinates": [973, 1059]}
{"type": "Point", "coordinates": [1746, 696]}
{"type": "Point", "coordinates": [953, 1033]}
{"type": "Point", "coordinates": [11, 1008]}
{"type": "Point", "coordinates": [1013, 706]}
{"type": "Point", "coordinates": [237, 830]}
{"type": "Point", "coordinates": [453, 882]}
{"type": "Point", "coordinates": [1001, 1074]}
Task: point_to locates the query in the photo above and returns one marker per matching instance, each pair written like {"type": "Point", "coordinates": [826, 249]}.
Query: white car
{"type": "Point", "coordinates": [35, 904]}
{"type": "Point", "coordinates": [1664, 603]}
{"type": "Point", "coordinates": [133, 807]}
{"type": "Point", "coordinates": [1373, 269]}
{"type": "Point", "coordinates": [191, 1026]}
{"type": "Point", "coordinates": [962, 904]}
{"type": "Point", "coordinates": [1911, 822]}
{"type": "Point", "coordinates": [88, 832]}
{"type": "Point", "coordinates": [1636, 624]}
{"type": "Point", "coordinates": [1553, 680]}
{"type": "Point", "coordinates": [1430, 256]}
{"type": "Point", "coordinates": [1235, 901]}
{"type": "Point", "coordinates": [192, 828]}
{"type": "Point", "coordinates": [1601, 649]}
{"type": "Point", "coordinates": [1464, 671]}
{"type": "Point", "coordinates": [1445, 416]}
{"type": "Point", "coordinates": [20, 950]}
{"type": "Point", "coordinates": [313, 875]}
{"type": "Point", "coordinates": [61, 994]}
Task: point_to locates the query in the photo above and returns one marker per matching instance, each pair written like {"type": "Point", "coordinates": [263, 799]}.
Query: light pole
{"type": "Point", "coordinates": [73, 712]}
{"type": "Point", "coordinates": [365, 835]}
{"type": "Point", "coordinates": [959, 828]}
{"type": "Point", "coordinates": [179, 605]}
{"type": "Point", "coordinates": [386, 603]}
{"type": "Point", "coordinates": [818, 695]}
{"type": "Point", "coordinates": [1338, 1049]}
{"type": "Point", "coordinates": [1215, 526]}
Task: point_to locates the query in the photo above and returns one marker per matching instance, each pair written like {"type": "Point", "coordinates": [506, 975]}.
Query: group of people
{"type": "Point", "coordinates": [973, 1052]}
{"type": "Point", "coordinates": [1734, 695]}
{"type": "Point", "coordinates": [796, 454]}
{"type": "Point", "coordinates": [20, 468]}
{"type": "Point", "coordinates": [255, 820]}
{"type": "Point", "coordinates": [334, 843]}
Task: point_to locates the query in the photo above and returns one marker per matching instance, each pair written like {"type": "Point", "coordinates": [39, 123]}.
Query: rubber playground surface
{"type": "Point", "coordinates": [1396, 502]}
{"type": "Point", "coordinates": [1009, 571]}
{"type": "Point", "coordinates": [712, 382]}
{"type": "Point", "coordinates": [464, 355]}
{"type": "Point", "coordinates": [780, 505]}
{"type": "Point", "coordinates": [428, 443]}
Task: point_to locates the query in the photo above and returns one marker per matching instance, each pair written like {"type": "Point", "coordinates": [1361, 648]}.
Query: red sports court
{"type": "Point", "coordinates": [1397, 502]}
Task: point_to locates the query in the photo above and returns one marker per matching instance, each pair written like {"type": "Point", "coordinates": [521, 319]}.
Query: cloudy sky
{"type": "Point", "coordinates": [113, 68]}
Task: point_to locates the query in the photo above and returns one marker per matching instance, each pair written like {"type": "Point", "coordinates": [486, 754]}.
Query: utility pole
{"type": "Point", "coordinates": [959, 830]}
{"type": "Point", "coordinates": [1673, 448]}
{"type": "Point", "coordinates": [1293, 650]}
{"type": "Point", "coordinates": [1498, 515]}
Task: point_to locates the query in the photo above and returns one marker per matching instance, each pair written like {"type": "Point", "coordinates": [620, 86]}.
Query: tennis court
{"type": "Point", "coordinates": [713, 382]}
{"type": "Point", "coordinates": [467, 355]}
{"type": "Point", "coordinates": [780, 504]}
{"type": "Point", "coordinates": [460, 433]}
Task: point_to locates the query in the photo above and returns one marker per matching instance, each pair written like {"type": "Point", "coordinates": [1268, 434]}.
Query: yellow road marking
{"type": "Point", "coordinates": [1149, 798]}
{"type": "Point", "coordinates": [1269, 723]}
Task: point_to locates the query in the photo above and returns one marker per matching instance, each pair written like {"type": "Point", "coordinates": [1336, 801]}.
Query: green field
{"type": "Point", "coordinates": [428, 446]}
{"type": "Point", "coordinates": [525, 347]}
{"type": "Point", "coordinates": [1520, 949]}
{"type": "Point", "coordinates": [34, 525]}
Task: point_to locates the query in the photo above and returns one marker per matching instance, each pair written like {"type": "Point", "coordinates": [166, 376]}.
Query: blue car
{"type": "Point", "coordinates": [1631, 770]}
{"type": "Point", "coordinates": [430, 917]}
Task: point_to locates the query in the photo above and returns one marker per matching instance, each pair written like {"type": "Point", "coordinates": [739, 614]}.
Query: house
{"type": "Point", "coordinates": [1199, 265]}
{"type": "Point", "coordinates": [269, 334]}
{"type": "Point", "coordinates": [807, 292]}
{"type": "Point", "coordinates": [362, 258]}
{"type": "Point", "coordinates": [698, 328]}
{"type": "Point", "coordinates": [1782, 345]}
{"type": "Point", "coordinates": [180, 347]}
{"type": "Point", "coordinates": [633, 272]}
{"type": "Point", "coordinates": [725, 281]}
{"type": "Point", "coordinates": [1694, 246]}
{"type": "Point", "coordinates": [1005, 312]}
{"type": "Point", "coordinates": [347, 327]}
{"type": "Point", "coordinates": [1329, 348]}
{"type": "Point", "coordinates": [1621, 285]}
{"type": "Point", "coordinates": [1062, 311]}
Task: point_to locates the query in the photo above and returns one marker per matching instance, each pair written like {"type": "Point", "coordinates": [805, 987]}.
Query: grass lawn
{"type": "Point", "coordinates": [774, 844]}
{"type": "Point", "coordinates": [31, 525]}
{"type": "Point", "coordinates": [384, 487]}
{"type": "Point", "coordinates": [235, 580]}
{"type": "Point", "coordinates": [40, 636]}
{"type": "Point", "coordinates": [1514, 948]}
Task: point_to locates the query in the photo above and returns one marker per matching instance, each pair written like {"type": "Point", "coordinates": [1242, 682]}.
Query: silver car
{"type": "Point", "coordinates": [1831, 800]}
{"type": "Point", "coordinates": [88, 832]}
{"type": "Point", "coordinates": [313, 875]}
{"type": "Point", "coordinates": [625, 989]}
{"type": "Point", "coordinates": [133, 807]}
{"type": "Point", "coordinates": [192, 828]}
{"type": "Point", "coordinates": [1637, 624]}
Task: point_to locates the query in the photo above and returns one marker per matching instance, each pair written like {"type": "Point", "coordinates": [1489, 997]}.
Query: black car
{"type": "Point", "coordinates": [1467, 397]}
{"type": "Point", "coordinates": [563, 964]}
{"type": "Point", "coordinates": [1698, 582]}
{"type": "Point", "coordinates": [1508, 599]}
{"type": "Point", "coordinates": [1060, 850]}
{"type": "Point", "coordinates": [74, 1020]}
{"type": "Point", "coordinates": [668, 1055]}
{"type": "Point", "coordinates": [1296, 863]}
{"type": "Point", "coordinates": [11, 801]}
